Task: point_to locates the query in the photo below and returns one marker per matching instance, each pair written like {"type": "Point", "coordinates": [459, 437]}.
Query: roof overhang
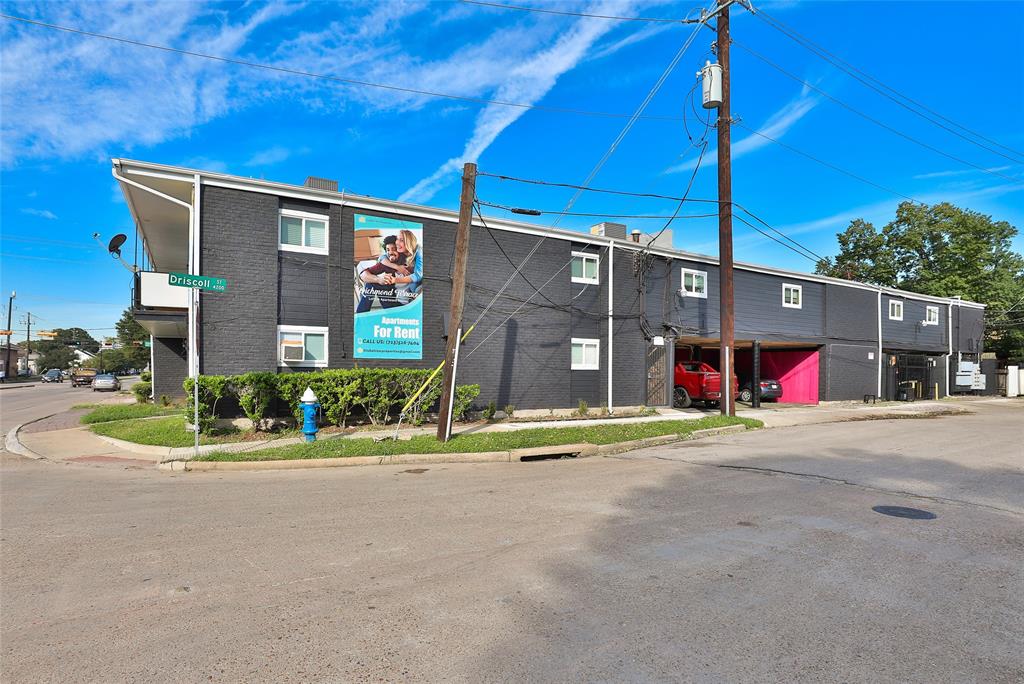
{"type": "Point", "coordinates": [162, 222]}
{"type": "Point", "coordinates": [163, 323]}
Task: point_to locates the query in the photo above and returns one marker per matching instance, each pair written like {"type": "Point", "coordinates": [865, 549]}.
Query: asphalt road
{"type": "Point", "coordinates": [22, 403]}
{"type": "Point", "coordinates": [671, 564]}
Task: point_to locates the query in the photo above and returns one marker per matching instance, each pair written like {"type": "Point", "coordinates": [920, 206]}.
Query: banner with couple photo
{"type": "Point", "coordinates": [388, 265]}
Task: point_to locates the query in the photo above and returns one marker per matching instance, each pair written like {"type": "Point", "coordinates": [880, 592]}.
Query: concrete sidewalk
{"type": "Point", "coordinates": [79, 445]}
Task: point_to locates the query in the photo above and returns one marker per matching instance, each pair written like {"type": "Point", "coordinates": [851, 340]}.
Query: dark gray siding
{"type": "Point", "coordinates": [170, 367]}
{"type": "Point", "coordinates": [758, 301]}
{"type": "Point", "coordinates": [911, 333]}
{"type": "Point", "coordinates": [968, 329]}
{"type": "Point", "coordinates": [629, 351]}
{"type": "Point", "coordinates": [851, 373]}
{"type": "Point", "coordinates": [851, 314]}
{"type": "Point", "coordinates": [303, 289]}
{"type": "Point", "coordinates": [238, 241]}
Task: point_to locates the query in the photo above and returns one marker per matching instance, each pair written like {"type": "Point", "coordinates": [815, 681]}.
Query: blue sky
{"type": "Point", "coordinates": [70, 103]}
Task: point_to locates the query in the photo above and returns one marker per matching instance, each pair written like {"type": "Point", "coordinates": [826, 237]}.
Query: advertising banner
{"type": "Point", "coordinates": [388, 265]}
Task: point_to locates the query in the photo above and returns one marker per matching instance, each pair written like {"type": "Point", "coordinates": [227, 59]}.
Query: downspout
{"type": "Point", "coordinates": [949, 341]}
{"type": "Point", "coordinates": [878, 390]}
{"type": "Point", "coordinates": [193, 361]}
{"type": "Point", "coordinates": [611, 303]}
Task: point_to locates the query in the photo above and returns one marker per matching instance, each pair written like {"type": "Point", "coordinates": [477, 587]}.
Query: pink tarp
{"type": "Point", "coordinates": [797, 370]}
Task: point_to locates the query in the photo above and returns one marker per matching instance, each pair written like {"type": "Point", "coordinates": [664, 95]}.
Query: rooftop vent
{"type": "Point", "coordinates": [321, 184]}
{"type": "Point", "coordinates": [612, 230]}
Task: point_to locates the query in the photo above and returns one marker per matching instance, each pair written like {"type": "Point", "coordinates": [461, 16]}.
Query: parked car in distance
{"type": "Point", "coordinates": [697, 381]}
{"type": "Point", "coordinates": [52, 375]}
{"type": "Point", "coordinates": [81, 377]}
{"type": "Point", "coordinates": [106, 382]}
{"type": "Point", "coordinates": [770, 390]}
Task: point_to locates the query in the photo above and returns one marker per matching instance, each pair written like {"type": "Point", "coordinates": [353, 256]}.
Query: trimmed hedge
{"type": "Point", "coordinates": [376, 393]}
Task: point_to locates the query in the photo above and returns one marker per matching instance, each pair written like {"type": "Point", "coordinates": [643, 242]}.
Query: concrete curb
{"type": "Point", "coordinates": [16, 386]}
{"type": "Point", "coordinates": [15, 446]}
{"type": "Point", "coordinates": [512, 456]}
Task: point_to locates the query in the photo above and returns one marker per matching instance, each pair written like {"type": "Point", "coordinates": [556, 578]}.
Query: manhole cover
{"type": "Point", "coordinates": [904, 512]}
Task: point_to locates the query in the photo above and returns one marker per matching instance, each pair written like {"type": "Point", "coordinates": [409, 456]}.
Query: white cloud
{"type": "Point", "coordinates": [776, 126]}
{"type": "Point", "coordinates": [78, 95]}
{"type": "Point", "coordinates": [958, 172]}
{"type": "Point", "coordinates": [41, 213]}
{"type": "Point", "coordinates": [526, 82]}
{"type": "Point", "coordinates": [268, 157]}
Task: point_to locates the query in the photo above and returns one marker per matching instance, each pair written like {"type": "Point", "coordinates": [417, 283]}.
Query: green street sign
{"type": "Point", "coordinates": [147, 344]}
{"type": "Point", "coordinates": [197, 281]}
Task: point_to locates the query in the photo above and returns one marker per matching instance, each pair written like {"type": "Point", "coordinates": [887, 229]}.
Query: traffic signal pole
{"type": "Point", "coordinates": [726, 311]}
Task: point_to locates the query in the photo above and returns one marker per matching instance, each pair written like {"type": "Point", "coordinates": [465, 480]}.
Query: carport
{"type": "Point", "coordinates": [793, 364]}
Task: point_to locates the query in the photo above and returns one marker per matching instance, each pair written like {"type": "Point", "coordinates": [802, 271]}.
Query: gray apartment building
{"type": "Point", "coordinates": [318, 278]}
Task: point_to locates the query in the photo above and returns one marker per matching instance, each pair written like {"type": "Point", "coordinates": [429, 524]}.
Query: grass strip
{"type": "Point", "coordinates": [167, 432]}
{"type": "Point", "coordinates": [485, 441]}
{"type": "Point", "coordinates": [104, 413]}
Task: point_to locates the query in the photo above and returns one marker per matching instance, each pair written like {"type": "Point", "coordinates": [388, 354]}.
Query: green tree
{"type": "Point", "coordinates": [77, 337]}
{"type": "Point", "coordinates": [945, 251]}
{"type": "Point", "coordinates": [56, 357]}
{"type": "Point", "coordinates": [132, 337]}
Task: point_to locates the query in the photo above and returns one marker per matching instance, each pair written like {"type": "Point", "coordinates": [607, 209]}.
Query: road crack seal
{"type": "Point", "coordinates": [841, 481]}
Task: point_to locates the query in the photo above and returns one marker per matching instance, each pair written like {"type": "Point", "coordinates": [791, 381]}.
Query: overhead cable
{"type": "Point", "coordinates": [868, 117]}
{"type": "Point", "coordinates": [824, 163]}
{"type": "Point", "coordinates": [542, 10]}
{"type": "Point", "coordinates": [884, 90]}
{"type": "Point", "coordinates": [336, 79]}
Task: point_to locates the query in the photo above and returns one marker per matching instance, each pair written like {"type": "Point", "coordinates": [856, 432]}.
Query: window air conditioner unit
{"type": "Point", "coordinates": [291, 352]}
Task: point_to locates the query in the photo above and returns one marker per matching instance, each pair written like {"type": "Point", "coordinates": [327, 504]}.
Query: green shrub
{"type": "Point", "coordinates": [146, 376]}
{"type": "Point", "coordinates": [141, 391]}
{"type": "Point", "coordinates": [465, 395]}
{"type": "Point", "coordinates": [488, 413]}
{"type": "Point", "coordinates": [255, 392]}
{"type": "Point", "coordinates": [510, 410]}
{"type": "Point", "coordinates": [212, 388]}
{"type": "Point", "coordinates": [165, 400]}
{"type": "Point", "coordinates": [583, 408]}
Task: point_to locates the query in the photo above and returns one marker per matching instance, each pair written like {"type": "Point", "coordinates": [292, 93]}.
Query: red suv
{"type": "Point", "coordinates": [697, 381]}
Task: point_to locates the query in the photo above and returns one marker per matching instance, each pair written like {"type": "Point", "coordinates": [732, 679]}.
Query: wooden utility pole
{"type": "Point", "coordinates": [726, 313]}
{"type": "Point", "coordinates": [444, 415]}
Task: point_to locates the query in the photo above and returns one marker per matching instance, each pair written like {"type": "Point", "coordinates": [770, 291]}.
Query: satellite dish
{"type": "Point", "coordinates": [115, 244]}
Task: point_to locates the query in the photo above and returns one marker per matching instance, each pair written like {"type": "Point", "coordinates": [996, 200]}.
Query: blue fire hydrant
{"type": "Point", "coordinates": [310, 408]}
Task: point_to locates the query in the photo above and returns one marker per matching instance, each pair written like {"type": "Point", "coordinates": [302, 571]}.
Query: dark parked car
{"type": "Point", "coordinates": [106, 382]}
{"type": "Point", "coordinates": [770, 390]}
{"type": "Point", "coordinates": [52, 375]}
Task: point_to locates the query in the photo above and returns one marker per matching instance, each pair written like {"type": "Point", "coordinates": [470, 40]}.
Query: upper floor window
{"type": "Point", "coordinates": [301, 231]}
{"type": "Point", "coordinates": [931, 315]}
{"type": "Point", "coordinates": [302, 346]}
{"type": "Point", "coordinates": [586, 354]}
{"type": "Point", "coordinates": [695, 283]}
{"type": "Point", "coordinates": [895, 310]}
{"type": "Point", "coordinates": [792, 296]}
{"type": "Point", "coordinates": [584, 268]}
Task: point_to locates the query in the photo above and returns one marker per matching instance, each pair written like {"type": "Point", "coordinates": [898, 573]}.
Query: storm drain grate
{"type": "Point", "coordinates": [904, 512]}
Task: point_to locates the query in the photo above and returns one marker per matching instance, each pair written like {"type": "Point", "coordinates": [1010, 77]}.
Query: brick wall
{"type": "Point", "coordinates": [170, 367]}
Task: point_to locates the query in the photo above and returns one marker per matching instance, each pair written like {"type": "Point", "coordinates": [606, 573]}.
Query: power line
{"type": "Point", "coordinates": [880, 87]}
{"type": "Point", "coordinates": [825, 163]}
{"type": "Point", "coordinates": [540, 212]}
{"type": "Point", "coordinates": [870, 118]}
{"type": "Point", "coordinates": [775, 239]}
{"type": "Point", "coordinates": [633, 119]}
{"type": "Point", "coordinates": [541, 10]}
{"type": "Point", "coordinates": [585, 188]}
{"type": "Point", "coordinates": [336, 79]}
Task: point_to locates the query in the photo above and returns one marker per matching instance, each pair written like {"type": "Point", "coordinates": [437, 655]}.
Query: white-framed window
{"type": "Point", "coordinates": [586, 354]}
{"type": "Point", "coordinates": [300, 231]}
{"type": "Point", "coordinates": [695, 283]}
{"type": "Point", "coordinates": [302, 346]}
{"type": "Point", "coordinates": [895, 310]}
{"type": "Point", "coordinates": [792, 296]}
{"type": "Point", "coordinates": [931, 315]}
{"type": "Point", "coordinates": [585, 268]}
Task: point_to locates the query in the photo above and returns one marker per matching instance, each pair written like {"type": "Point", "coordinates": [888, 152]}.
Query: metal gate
{"type": "Point", "coordinates": [657, 370]}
